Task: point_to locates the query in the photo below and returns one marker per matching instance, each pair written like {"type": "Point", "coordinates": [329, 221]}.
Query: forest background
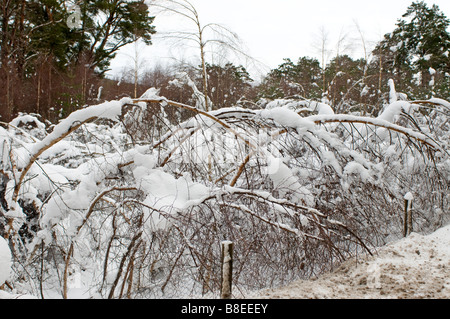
{"type": "Point", "coordinates": [51, 67]}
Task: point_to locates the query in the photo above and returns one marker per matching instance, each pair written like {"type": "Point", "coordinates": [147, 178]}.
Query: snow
{"type": "Point", "coordinates": [167, 194]}
{"type": "Point", "coordinates": [313, 106]}
{"type": "Point", "coordinates": [414, 267]}
{"type": "Point", "coordinates": [199, 97]}
{"type": "Point", "coordinates": [440, 101]}
{"type": "Point", "coordinates": [27, 119]}
{"type": "Point", "coordinates": [393, 111]}
{"type": "Point", "coordinates": [365, 91]}
{"type": "Point", "coordinates": [99, 94]}
{"type": "Point", "coordinates": [427, 57]}
{"type": "Point", "coordinates": [408, 196]}
{"type": "Point", "coordinates": [392, 92]}
{"type": "Point", "coordinates": [151, 93]}
{"type": "Point", "coordinates": [354, 167]}
{"type": "Point", "coordinates": [286, 117]}
{"type": "Point", "coordinates": [321, 108]}
{"type": "Point", "coordinates": [285, 182]}
{"type": "Point", "coordinates": [5, 261]}
{"type": "Point", "coordinates": [385, 120]}
{"type": "Point", "coordinates": [108, 110]}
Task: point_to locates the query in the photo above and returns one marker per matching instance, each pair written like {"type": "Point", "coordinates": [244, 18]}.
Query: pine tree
{"type": "Point", "coordinates": [12, 48]}
{"type": "Point", "coordinates": [343, 74]}
{"type": "Point", "coordinates": [290, 79]}
{"type": "Point", "coordinates": [416, 53]}
{"type": "Point", "coordinates": [108, 25]}
{"type": "Point", "coordinates": [227, 84]}
{"type": "Point", "coordinates": [38, 44]}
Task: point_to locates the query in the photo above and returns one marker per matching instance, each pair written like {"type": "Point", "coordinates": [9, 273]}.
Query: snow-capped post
{"type": "Point", "coordinates": [227, 269]}
{"type": "Point", "coordinates": [407, 222]}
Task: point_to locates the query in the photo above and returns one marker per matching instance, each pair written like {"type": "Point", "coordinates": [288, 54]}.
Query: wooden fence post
{"type": "Point", "coordinates": [227, 269]}
{"type": "Point", "coordinates": [407, 220]}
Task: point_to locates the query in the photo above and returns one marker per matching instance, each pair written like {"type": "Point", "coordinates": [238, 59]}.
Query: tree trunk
{"type": "Point", "coordinates": [38, 99]}
{"type": "Point", "coordinates": [205, 78]}
{"type": "Point", "coordinates": [49, 104]}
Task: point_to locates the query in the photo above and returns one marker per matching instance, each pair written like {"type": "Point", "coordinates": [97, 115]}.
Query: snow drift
{"type": "Point", "coordinates": [413, 267]}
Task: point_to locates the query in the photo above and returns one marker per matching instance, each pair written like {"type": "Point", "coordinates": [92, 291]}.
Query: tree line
{"type": "Point", "coordinates": [415, 56]}
{"type": "Point", "coordinates": [51, 67]}
{"type": "Point", "coordinates": [53, 51]}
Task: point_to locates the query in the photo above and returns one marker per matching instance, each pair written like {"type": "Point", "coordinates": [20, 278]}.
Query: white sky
{"type": "Point", "coordinates": [275, 29]}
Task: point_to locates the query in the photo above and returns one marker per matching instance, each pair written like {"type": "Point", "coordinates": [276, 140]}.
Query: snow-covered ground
{"type": "Point", "coordinates": [414, 267]}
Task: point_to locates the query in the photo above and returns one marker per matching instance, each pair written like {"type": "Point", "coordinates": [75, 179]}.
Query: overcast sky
{"type": "Point", "coordinates": [271, 30]}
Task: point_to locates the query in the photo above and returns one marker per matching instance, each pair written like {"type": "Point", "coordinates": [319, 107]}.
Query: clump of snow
{"type": "Point", "coordinates": [108, 110]}
{"type": "Point", "coordinates": [356, 168]}
{"type": "Point", "coordinates": [184, 79]}
{"type": "Point", "coordinates": [151, 93]}
{"type": "Point", "coordinates": [99, 94]}
{"type": "Point", "coordinates": [285, 182]}
{"type": "Point", "coordinates": [391, 113]}
{"type": "Point", "coordinates": [167, 194]}
{"type": "Point", "coordinates": [294, 105]}
{"type": "Point", "coordinates": [413, 267]}
{"type": "Point", "coordinates": [285, 103]}
{"type": "Point", "coordinates": [365, 91]}
{"type": "Point", "coordinates": [30, 125]}
{"type": "Point", "coordinates": [286, 117]}
{"type": "Point", "coordinates": [27, 119]}
{"type": "Point", "coordinates": [440, 101]}
{"type": "Point", "coordinates": [5, 261]}
{"type": "Point", "coordinates": [392, 92]}
{"type": "Point", "coordinates": [321, 108]}
{"type": "Point", "coordinates": [408, 196]}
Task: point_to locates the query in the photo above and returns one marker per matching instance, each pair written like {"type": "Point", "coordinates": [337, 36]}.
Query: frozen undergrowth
{"type": "Point", "coordinates": [132, 198]}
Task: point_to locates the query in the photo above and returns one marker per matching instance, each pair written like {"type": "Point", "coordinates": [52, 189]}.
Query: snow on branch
{"type": "Point", "coordinates": [346, 118]}
{"type": "Point", "coordinates": [108, 110]}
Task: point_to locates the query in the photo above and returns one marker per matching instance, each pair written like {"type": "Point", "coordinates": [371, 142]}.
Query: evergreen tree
{"type": "Point", "coordinates": [108, 25]}
{"type": "Point", "coordinates": [343, 74]}
{"type": "Point", "coordinates": [227, 84]}
{"type": "Point", "coordinates": [12, 48]}
{"type": "Point", "coordinates": [50, 35]}
{"type": "Point", "coordinates": [39, 44]}
{"type": "Point", "coordinates": [416, 53]}
{"type": "Point", "coordinates": [291, 79]}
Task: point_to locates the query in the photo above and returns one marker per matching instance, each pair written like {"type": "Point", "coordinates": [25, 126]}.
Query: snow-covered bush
{"type": "Point", "coordinates": [133, 198]}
